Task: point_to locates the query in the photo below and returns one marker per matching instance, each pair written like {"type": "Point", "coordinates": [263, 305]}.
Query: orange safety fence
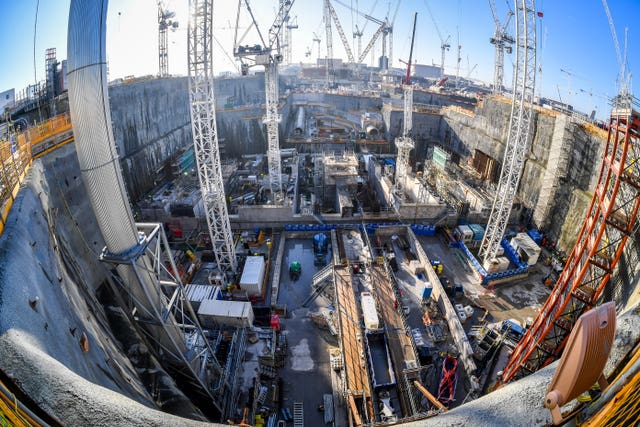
{"type": "Point", "coordinates": [16, 155]}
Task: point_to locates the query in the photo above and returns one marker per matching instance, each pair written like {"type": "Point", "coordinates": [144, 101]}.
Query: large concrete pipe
{"type": "Point", "coordinates": [300, 117]}
{"type": "Point", "coordinates": [372, 131]}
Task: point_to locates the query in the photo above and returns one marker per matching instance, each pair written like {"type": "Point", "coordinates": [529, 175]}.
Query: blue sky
{"type": "Point", "coordinates": [573, 36]}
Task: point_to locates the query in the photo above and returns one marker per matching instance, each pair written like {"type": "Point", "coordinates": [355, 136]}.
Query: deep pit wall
{"type": "Point", "coordinates": [152, 122]}
{"type": "Point", "coordinates": [51, 298]}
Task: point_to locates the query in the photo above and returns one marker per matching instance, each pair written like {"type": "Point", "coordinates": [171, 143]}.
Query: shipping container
{"type": "Point", "coordinates": [464, 233]}
{"type": "Point", "coordinates": [478, 231]}
{"type": "Point", "coordinates": [527, 249]}
{"type": "Point", "coordinates": [214, 313]}
{"type": "Point", "coordinates": [253, 275]}
{"type": "Point", "coordinates": [369, 312]}
{"type": "Point", "coordinates": [198, 293]}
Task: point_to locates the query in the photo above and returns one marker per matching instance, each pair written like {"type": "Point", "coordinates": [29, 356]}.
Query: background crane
{"type": "Point", "coordinates": [288, 39]}
{"type": "Point", "coordinates": [385, 29]}
{"type": "Point", "coordinates": [444, 44]}
{"type": "Point", "coordinates": [502, 42]}
{"type": "Point", "coordinates": [268, 55]}
{"type": "Point", "coordinates": [316, 39]}
{"type": "Point", "coordinates": [624, 98]}
{"type": "Point", "coordinates": [405, 143]}
{"type": "Point", "coordinates": [165, 22]}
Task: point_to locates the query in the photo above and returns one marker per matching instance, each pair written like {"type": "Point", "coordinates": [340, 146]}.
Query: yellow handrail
{"type": "Point", "coordinates": [16, 156]}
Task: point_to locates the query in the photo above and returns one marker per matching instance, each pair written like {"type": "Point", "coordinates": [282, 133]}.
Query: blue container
{"type": "Point", "coordinates": [426, 292]}
{"type": "Point", "coordinates": [535, 236]}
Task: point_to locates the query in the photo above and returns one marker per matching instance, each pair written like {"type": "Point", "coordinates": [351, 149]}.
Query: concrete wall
{"type": "Point", "coordinates": [487, 131]}
{"type": "Point", "coordinates": [152, 121]}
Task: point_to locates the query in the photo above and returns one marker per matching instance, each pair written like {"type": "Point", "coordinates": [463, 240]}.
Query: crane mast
{"type": "Point", "coordinates": [268, 55]}
{"type": "Point", "coordinates": [519, 135]}
{"type": "Point", "coordinates": [205, 136]}
{"type": "Point", "coordinates": [327, 26]}
{"type": "Point", "coordinates": [502, 42]}
{"type": "Point", "coordinates": [341, 33]}
{"type": "Point", "coordinates": [405, 143]}
{"type": "Point", "coordinates": [444, 44]}
{"type": "Point", "coordinates": [165, 22]}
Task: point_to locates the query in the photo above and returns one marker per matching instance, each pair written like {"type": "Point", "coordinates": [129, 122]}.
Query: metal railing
{"type": "Point", "coordinates": [16, 155]}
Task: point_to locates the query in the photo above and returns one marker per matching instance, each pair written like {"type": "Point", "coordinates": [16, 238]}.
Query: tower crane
{"type": "Point", "coordinates": [444, 44]}
{"type": "Point", "coordinates": [519, 134]}
{"type": "Point", "coordinates": [268, 55]}
{"type": "Point", "coordinates": [624, 98]}
{"type": "Point", "coordinates": [288, 39]}
{"type": "Point", "coordinates": [343, 37]}
{"type": "Point", "coordinates": [459, 57]}
{"type": "Point", "coordinates": [609, 222]}
{"type": "Point", "coordinates": [316, 39]}
{"type": "Point", "coordinates": [327, 27]}
{"type": "Point", "coordinates": [360, 31]}
{"type": "Point", "coordinates": [405, 143]}
{"type": "Point", "coordinates": [205, 135]}
{"type": "Point", "coordinates": [385, 28]}
{"type": "Point", "coordinates": [165, 23]}
{"type": "Point", "coordinates": [502, 42]}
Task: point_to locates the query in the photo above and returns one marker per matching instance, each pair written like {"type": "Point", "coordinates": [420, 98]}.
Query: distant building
{"type": "Point", "coordinates": [7, 99]}
{"type": "Point", "coordinates": [426, 71]}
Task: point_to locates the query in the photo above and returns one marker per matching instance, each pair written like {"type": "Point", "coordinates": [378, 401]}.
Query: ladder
{"type": "Point", "coordinates": [298, 414]}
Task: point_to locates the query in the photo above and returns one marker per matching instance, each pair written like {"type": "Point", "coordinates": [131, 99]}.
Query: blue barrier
{"type": "Point", "coordinates": [504, 274]}
{"type": "Point", "coordinates": [479, 268]}
{"type": "Point", "coordinates": [511, 253]}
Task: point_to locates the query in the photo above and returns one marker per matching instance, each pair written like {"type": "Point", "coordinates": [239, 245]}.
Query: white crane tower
{"type": "Point", "coordinates": [405, 143]}
{"type": "Point", "coordinates": [502, 42]}
{"type": "Point", "coordinates": [290, 24]}
{"type": "Point", "coordinates": [165, 23]}
{"type": "Point", "coordinates": [624, 98]}
{"type": "Point", "coordinates": [519, 135]}
{"type": "Point", "coordinates": [268, 55]}
{"type": "Point", "coordinates": [205, 135]}
{"type": "Point", "coordinates": [444, 44]}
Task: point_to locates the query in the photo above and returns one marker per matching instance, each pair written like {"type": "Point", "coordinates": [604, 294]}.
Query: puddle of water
{"type": "Point", "coordinates": [301, 357]}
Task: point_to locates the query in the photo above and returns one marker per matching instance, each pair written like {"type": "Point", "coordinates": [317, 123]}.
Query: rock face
{"type": "Point", "coordinates": [560, 168]}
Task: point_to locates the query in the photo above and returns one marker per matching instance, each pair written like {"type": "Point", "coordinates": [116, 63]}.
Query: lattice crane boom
{"type": "Point", "coordinates": [611, 219]}
{"type": "Point", "coordinates": [444, 44]}
{"type": "Point", "coordinates": [205, 136]}
{"type": "Point", "coordinates": [343, 37]}
{"type": "Point", "coordinates": [519, 135]}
